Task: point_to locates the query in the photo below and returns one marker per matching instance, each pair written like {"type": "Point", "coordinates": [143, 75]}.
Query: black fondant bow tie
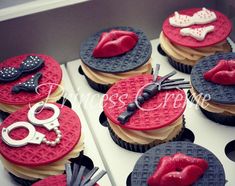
{"type": "Point", "coordinates": [158, 84]}
{"type": "Point", "coordinates": [78, 178]}
{"type": "Point", "coordinates": [30, 64]}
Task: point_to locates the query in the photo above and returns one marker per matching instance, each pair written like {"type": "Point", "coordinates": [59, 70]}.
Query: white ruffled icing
{"type": "Point", "coordinates": [203, 16]}
{"type": "Point", "coordinates": [197, 33]}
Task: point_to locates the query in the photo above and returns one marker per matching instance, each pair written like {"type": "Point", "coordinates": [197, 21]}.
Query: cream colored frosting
{"type": "Point", "coordinates": [111, 78]}
{"type": "Point", "coordinates": [211, 106]}
{"type": "Point", "coordinates": [190, 56]}
{"type": "Point", "coordinates": [41, 172]}
{"type": "Point", "coordinates": [149, 136]}
{"type": "Point", "coordinates": [55, 96]}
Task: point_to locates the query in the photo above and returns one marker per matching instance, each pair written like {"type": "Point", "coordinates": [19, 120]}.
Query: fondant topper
{"type": "Point", "coordinates": [178, 170]}
{"type": "Point", "coordinates": [203, 16]}
{"type": "Point", "coordinates": [77, 177]}
{"type": "Point", "coordinates": [197, 33]}
{"type": "Point", "coordinates": [150, 90]}
{"type": "Point", "coordinates": [30, 64]}
{"type": "Point", "coordinates": [223, 73]}
{"type": "Point", "coordinates": [33, 136]}
{"type": "Point", "coordinates": [114, 43]}
{"type": "Point", "coordinates": [29, 86]}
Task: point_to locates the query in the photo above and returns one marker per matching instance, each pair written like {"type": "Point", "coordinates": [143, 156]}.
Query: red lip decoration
{"type": "Point", "coordinates": [223, 73]}
{"type": "Point", "coordinates": [114, 43]}
{"type": "Point", "coordinates": [178, 170]}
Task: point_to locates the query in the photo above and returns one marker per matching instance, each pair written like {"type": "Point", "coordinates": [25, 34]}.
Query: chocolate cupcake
{"type": "Point", "coordinates": [213, 87]}
{"type": "Point", "coordinates": [36, 142]}
{"type": "Point", "coordinates": [177, 163]}
{"type": "Point", "coordinates": [191, 34]}
{"type": "Point", "coordinates": [143, 112]}
{"type": "Point", "coordinates": [28, 79]}
{"type": "Point", "coordinates": [76, 175]}
{"type": "Point", "coordinates": [113, 54]}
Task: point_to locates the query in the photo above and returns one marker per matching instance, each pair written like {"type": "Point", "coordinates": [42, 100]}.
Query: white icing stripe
{"type": "Point", "coordinates": [197, 33]}
{"type": "Point", "coordinates": [203, 16]}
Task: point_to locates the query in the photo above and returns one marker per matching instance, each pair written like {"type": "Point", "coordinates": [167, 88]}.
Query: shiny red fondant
{"type": "Point", "coordinates": [223, 73]}
{"type": "Point", "coordinates": [178, 170]}
{"type": "Point", "coordinates": [114, 43]}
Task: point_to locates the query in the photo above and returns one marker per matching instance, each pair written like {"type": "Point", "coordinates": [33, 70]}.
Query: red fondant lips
{"type": "Point", "coordinates": [114, 43]}
{"type": "Point", "coordinates": [178, 170]}
{"type": "Point", "coordinates": [223, 73]}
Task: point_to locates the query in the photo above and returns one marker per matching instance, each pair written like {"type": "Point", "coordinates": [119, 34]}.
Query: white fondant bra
{"type": "Point", "coordinates": [203, 16]}
{"type": "Point", "coordinates": [197, 33]}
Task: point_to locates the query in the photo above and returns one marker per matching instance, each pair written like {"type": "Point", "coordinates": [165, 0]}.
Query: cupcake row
{"type": "Point", "coordinates": [113, 145]}
{"type": "Point", "coordinates": [148, 123]}
{"type": "Point", "coordinates": [43, 143]}
{"type": "Point", "coordinates": [187, 36]}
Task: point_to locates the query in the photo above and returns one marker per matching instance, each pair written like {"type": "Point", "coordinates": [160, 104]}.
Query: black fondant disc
{"type": "Point", "coordinates": [146, 164]}
{"type": "Point", "coordinates": [135, 58]}
{"type": "Point", "coordinates": [218, 93]}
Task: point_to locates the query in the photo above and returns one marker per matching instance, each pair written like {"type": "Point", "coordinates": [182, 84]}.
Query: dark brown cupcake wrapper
{"type": "Point", "coordinates": [190, 97]}
{"type": "Point", "coordinates": [160, 50]}
{"type": "Point", "coordinates": [219, 118]}
{"type": "Point", "coordinates": [3, 115]}
{"type": "Point", "coordinates": [179, 66]}
{"type": "Point", "coordinates": [22, 181]}
{"type": "Point", "coordinates": [81, 160]}
{"type": "Point", "coordinates": [138, 147]}
{"type": "Point", "coordinates": [64, 101]}
{"type": "Point", "coordinates": [102, 88]}
{"type": "Point", "coordinates": [96, 86]}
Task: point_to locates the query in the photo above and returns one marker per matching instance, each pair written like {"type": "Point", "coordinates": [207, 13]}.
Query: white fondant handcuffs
{"type": "Point", "coordinates": [33, 136]}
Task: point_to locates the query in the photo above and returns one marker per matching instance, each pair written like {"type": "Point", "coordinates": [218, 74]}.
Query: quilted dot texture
{"type": "Point", "coordinates": [146, 164]}
{"type": "Point", "coordinates": [167, 105]}
{"type": "Point", "coordinates": [218, 93]}
{"type": "Point", "coordinates": [134, 58]}
{"type": "Point", "coordinates": [37, 155]}
{"type": "Point", "coordinates": [222, 26]}
{"type": "Point", "coordinates": [51, 73]}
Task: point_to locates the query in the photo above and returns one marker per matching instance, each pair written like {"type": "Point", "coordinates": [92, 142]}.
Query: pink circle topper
{"type": "Point", "coordinates": [159, 111]}
{"type": "Point", "coordinates": [221, 31]}
{"type": "Point", "coordinates": [51, 78]}
{"type": "Point", "coordinates": [33, 155]}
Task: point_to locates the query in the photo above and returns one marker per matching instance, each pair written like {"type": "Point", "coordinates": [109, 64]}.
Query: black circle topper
{"type": "Point", "coordinates": [128, 61]}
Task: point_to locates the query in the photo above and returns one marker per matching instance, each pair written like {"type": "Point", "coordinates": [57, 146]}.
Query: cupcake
{"type": "Point", "coordinates": [37, 142]}
{"type": "Point", "coordinates": [189, 35]}
{"type": "Point", "coordinates": [177, 163]}
{"type": "Point", "coordinates": [75, 176]}
{"type": "Point", "coordinates": [29, 78]}
{"type": "Point", "coordinates": [213, 87]}
{"type": "Point", "coordinates": [113, 54]}
{"type": "Point", "coordinates": [142, 112]}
